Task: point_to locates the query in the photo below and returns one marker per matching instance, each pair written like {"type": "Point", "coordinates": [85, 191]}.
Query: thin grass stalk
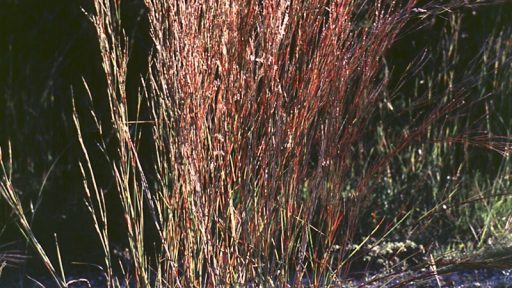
{"type": "Point", "coordinates": [125, 165]}
{"type": "Point", "coordinates": [11, 197]}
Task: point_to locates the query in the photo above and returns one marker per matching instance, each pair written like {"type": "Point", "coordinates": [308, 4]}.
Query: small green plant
{"type": "Point", "coordinates": [11, 196]}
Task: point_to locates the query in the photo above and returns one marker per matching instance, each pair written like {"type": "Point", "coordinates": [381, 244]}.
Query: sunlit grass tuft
{"type": "Point", "coordinates": [267, 145]}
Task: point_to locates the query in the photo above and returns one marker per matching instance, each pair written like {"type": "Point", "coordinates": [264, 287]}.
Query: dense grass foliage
{"type": "Point", "coordinates": [212, 143]}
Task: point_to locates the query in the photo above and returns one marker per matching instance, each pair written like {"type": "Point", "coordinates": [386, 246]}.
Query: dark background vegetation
{"type": "Point", "coordinates": [47, 48]}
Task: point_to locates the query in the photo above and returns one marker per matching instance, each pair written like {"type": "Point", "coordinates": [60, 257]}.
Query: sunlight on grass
{"type": "Point", "coordinates": [276, 142]}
